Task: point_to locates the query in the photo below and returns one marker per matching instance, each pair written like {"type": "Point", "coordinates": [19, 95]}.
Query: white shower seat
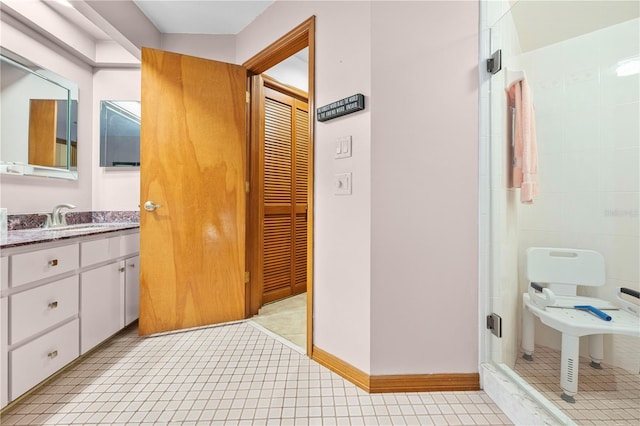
{"type": "Point", "coordinates": [562, 270]}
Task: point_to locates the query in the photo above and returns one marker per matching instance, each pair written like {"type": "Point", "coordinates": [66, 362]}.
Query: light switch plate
{"type": "Point", "coordinates": [342, 184]}
{"type": "Point", "coordinates": [343, 147]}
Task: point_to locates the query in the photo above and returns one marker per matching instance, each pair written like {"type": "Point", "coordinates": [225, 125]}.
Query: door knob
{"type": "Point", "coordinates": [150, 206]}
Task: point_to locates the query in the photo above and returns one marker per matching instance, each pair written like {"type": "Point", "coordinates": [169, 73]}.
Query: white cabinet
{"type": "Point", "coordinates": [43, 356]}
{"type": "Point", "coordinates": [101, 299]}
{"type": "Point", "coordinates": [40, 264]}
{"type": "Point", "coordinates": [42, 307]}
{"type": "Point", "coordinates": [131, 290]}
{"type": "Point", "coordinates": [130, 244]}
{"type": "Point", "coordinates": [4, 341]}
{"type": "Point", "coordinates": [60, 299]}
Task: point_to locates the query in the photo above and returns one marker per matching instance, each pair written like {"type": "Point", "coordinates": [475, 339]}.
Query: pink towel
{"type": "Point", "coordinates": [525, 152]}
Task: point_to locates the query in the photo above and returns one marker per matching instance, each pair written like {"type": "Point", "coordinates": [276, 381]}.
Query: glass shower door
{"type": "Point", "coordinates": [585, 83]}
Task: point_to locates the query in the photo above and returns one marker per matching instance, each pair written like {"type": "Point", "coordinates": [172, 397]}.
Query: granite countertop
{"type": "Point", "coordinates": [29, 229]}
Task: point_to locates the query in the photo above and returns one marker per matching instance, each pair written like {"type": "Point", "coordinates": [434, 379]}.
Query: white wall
{"type": "Point", "coordinates": [342, 233]}
{"type": "Point", "coordinates": [216, 47]}
{"type": "Point", "coordinates": [119, 189]}
{"type": "Point", "coordinates": [293, 71]}
{"type": "Point", "coordinates": [26, 194]}
{"type": "Point", "coordinates": [386, 263]}
{"type": "Point", "coordinates": [414, 171]}
{"type": "Point", "coordinates": [424, 115]}
{"type": "Point", "coordinates": [588, 125]}
{"type": "Point", "coordinates": [113, 188]}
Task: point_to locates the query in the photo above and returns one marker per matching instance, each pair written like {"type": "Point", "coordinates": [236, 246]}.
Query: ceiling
{"type": "Point", "coordinates": [542, 23]}
{"type": "Point", "coordinates": [201, 17]}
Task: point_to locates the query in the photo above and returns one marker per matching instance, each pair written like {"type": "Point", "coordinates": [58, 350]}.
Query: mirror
{"type": "Point", "coordinates": [38, 120]}
{"type": "Point", "coordinates": [119, 134]}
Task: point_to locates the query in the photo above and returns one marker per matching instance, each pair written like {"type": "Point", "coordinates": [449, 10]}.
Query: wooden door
{"type": "Point", "coordinates": [193, 151]}
{"type": "Point", "coordinates": [43, 115]}
{"type": "Point", "coordinates": [285, 199]}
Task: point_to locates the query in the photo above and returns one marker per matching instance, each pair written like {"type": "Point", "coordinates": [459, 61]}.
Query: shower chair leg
{"type": "Point", "coordinates": [596, 350]}
{"type": "Point", "coordinates": [569, 367]}
{"type": "Point", "coordinates": [528, 334]}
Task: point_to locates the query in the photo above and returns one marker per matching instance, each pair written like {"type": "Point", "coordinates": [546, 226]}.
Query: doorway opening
{"type": "Point", "coordinates": [280, 164]}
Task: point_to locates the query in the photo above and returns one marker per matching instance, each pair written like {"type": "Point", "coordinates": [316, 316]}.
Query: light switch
{"type": "Point", "coordinates": [346, 146]}
{"type": "Point", "coordinates": [343, 147]}
{"type": "Point", "coordinates": [342, 184]}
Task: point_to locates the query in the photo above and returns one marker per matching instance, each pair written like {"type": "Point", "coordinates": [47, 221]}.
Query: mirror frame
{"type": "Point", "coordinates": [19, 168]}
{"type": "Point", "coordinates": [107, 149]}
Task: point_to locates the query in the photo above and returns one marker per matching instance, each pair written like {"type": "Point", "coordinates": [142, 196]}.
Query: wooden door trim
{"type": "Point", "coordinates": [255, 226]}
{"type": "Point", "coordinates": [280, 87]}
{"type": "Point", "coordinates": [289, 44]}
{"type": "Point", "coordinates": [295, 40]}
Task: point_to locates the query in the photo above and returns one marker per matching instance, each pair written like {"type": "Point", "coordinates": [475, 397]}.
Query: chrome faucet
{"type": "Point", "coordinates": [57, 217]}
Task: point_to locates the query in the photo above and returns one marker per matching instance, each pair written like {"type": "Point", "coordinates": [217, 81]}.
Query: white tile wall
{"type": "Point", "coordinates": [588, 143]}
{"type": "Point", "coordinates": [588, 133]}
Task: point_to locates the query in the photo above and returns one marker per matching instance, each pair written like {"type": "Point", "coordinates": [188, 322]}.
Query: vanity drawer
{"type": "Point", "coordinates": [37, 360]}
{"type": "Point", "coordinates": [96, 251]}
{"type": "Point", "coordinates": [39, 264]}
{"type": "Point", "coordinates": [40, 308]}
{"type": "Point", "coordinates": [130, 244]}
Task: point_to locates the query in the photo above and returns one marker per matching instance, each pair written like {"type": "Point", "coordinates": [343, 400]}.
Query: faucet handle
{"type": "Point", "coordinates": [48, 222]}
{"type": "Point", "coordinates": [63, 218]}
{"type": "Point", "coordinates": [57, 218]}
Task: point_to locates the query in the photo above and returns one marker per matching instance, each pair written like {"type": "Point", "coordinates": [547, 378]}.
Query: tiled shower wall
{"type": "Point", "coordinates": [588, 142]}
{"type": "Point", "coordinates": [587, 122]}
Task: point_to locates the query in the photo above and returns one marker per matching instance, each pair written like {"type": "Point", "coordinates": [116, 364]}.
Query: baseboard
{"type": "Point", "coordinates": [425, 382]}
{"type": "Point", "coordinates": [397, 383]}
{"type": "Point", "coordinates": [341, 368]}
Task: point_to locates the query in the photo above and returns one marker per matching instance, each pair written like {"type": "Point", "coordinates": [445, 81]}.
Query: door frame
{"type": "Point", "coordinates": [295, 40]}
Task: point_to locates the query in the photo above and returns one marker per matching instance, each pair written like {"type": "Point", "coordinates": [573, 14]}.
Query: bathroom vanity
{"type": "Point", "coordinates": [63, 292]}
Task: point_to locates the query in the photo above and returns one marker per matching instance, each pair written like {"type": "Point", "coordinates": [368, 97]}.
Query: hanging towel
{"type": "Point", "coordinates": [525, 153]}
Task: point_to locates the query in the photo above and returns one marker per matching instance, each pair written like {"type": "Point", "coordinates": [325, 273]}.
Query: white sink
{"type": "Point", "coordinates": [80, 227]}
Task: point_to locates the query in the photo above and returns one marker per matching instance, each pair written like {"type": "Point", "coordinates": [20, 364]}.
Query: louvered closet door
{"type": "Point", "coordinates": [286, 166]}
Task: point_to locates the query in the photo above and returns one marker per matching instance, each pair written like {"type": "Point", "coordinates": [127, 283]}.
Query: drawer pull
{"type": "Point", "coordinates": [132, 265]}
{"type": "Point", "coordinates": [52, 354]}
{"type": "Point", "coordinates": [53, 305]}
{"type": "Point", "coordinates": [53, 262]}
{"type": "Point", "coordinates": [121, 269]}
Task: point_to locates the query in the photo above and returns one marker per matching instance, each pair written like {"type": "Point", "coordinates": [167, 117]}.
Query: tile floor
{"type": "Point", "coordinates": [228, 375]}
{"type": "Point", "coordinates": [287, 318]}
{"type": "Point", "coordinates": [610, 396]}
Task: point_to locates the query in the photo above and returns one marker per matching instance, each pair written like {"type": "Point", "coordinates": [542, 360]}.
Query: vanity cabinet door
{"type": "Point", "coordinates": [131, 289]}
{"type": "Point", "coordinates": [4, 356]}
{"type": "Point", "coordinates": [101, 307]}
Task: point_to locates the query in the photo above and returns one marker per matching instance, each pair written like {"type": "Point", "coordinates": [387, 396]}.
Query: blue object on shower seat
{"type": "Point", "coordinates": [597, 312]}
